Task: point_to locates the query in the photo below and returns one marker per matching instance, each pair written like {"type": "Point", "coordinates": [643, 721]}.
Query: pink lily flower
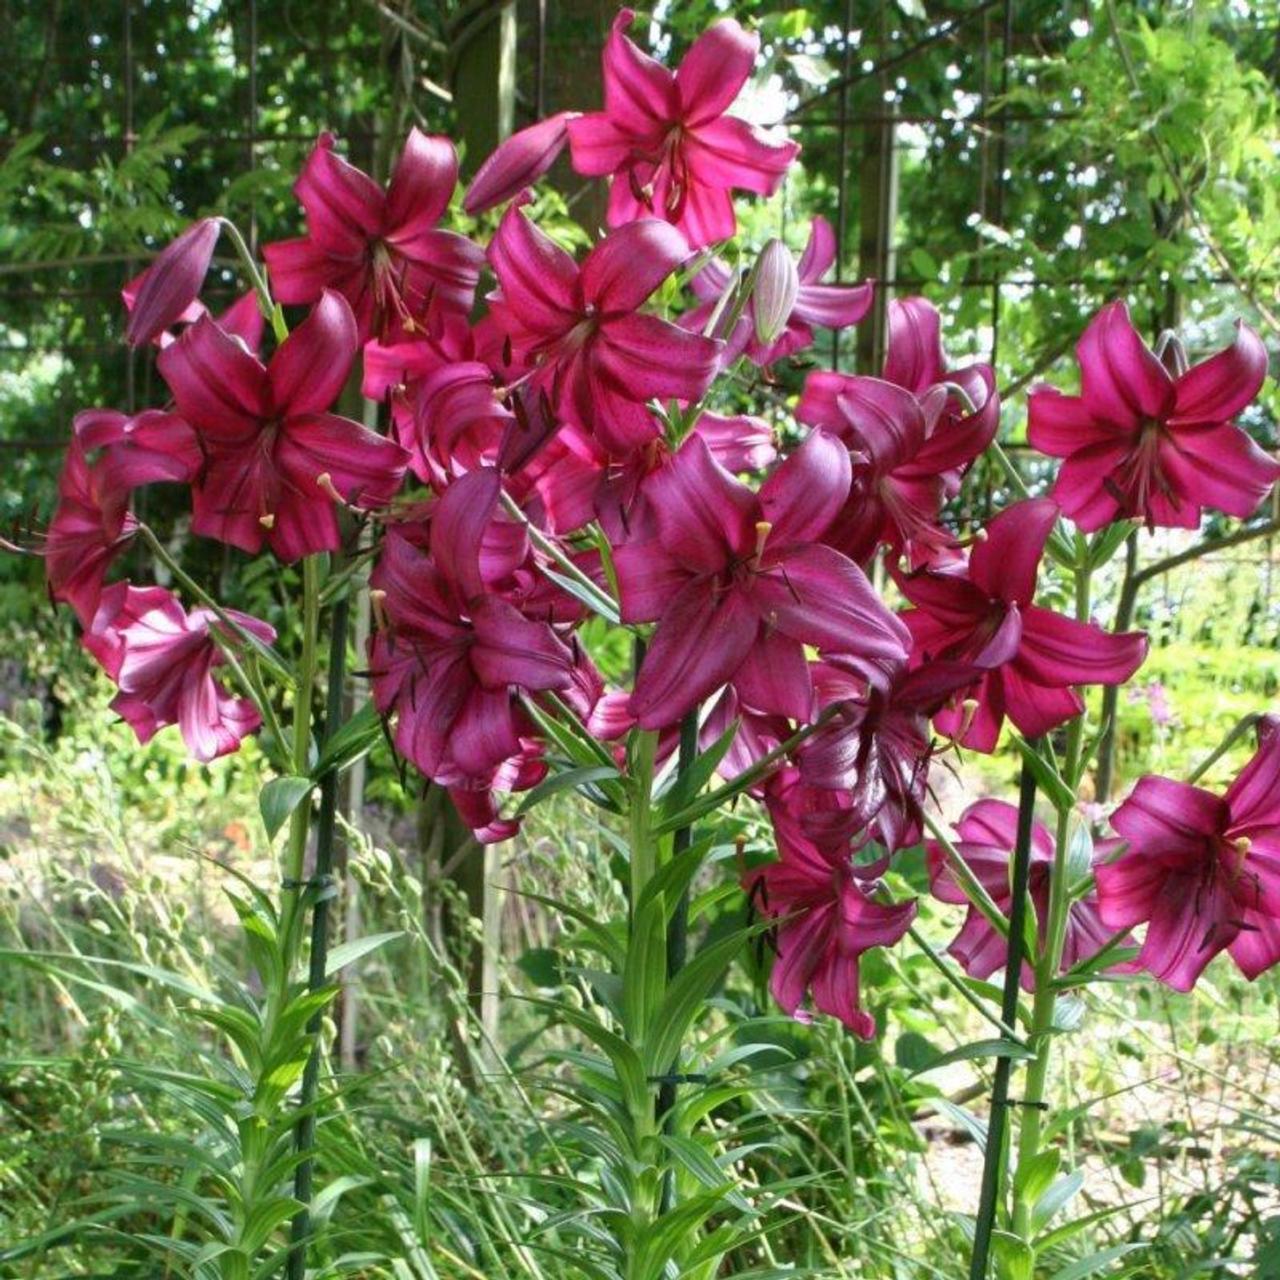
{"type": "Point", "coordinates": [1141, 443]}
{"type": "Point", "coordinates": [382, 250]}
{"type": "Point", "coordinates": [739, 584]}
{"type": "Point", "coordinates": [476, 799]}
{"type": "Point", "coordinates": [90, 528]}
{"type": "Point", "coordinates": [986, 836]}
{"type": "Point", "coordinates": [578, 480]}
{"type": "Point", "coordinates": [901, 463]}
{"type": "Point", "coordinates": [243, 319]}
{"type": "Point", "coordinates": [910, 436]}
{"type": "Point", "coordinates": [453, 653]}
{"type": "Point", "coordinates": [163, 659]}
{"type": "Point", "coordinates": [984, 614]}
{"type": "Point", "coordinates": [150, 447]}
{"type": "Point", "coordinates": [876, 750]}
{"type": "Point", "coordinates": [815, 306]}
{"type": "Point", "coordinates": [92, 523]}
{"type": "Point", "coordinates": [597, 358]}
{"type": "Point", "coordinates": [389, 367]}
{"type": "Point", "coordinates": [665, 140]}
{"type": "Point", "coordinates": [915, 360]}
{"type": "Point", "coordinates": [267, 440]}
{"type": "Point", "coordinates": [827, 920]}
{"type": "Point", "coordinates": [1201, 870]}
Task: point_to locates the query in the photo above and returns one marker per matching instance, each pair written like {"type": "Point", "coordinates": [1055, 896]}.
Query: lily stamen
{"type": "Point", "coordinates": [324, 481]}
{"type": "Point", "coordinates": [763, 529]}
{"type": "Point", "coordinates": [378, 604]}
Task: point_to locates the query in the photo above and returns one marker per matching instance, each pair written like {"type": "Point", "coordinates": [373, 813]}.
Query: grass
{"type": "Point", "coordinates": [448, 1155]}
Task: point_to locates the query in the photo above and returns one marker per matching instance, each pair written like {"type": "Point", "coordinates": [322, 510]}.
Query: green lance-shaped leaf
{"type": "Point", "coordinates": [1054, 1199]}
{"type": "Point", "coordinates": [686, 783]}
{"type": "Point", "coordinates": [625, 1060]}
{"type": "Point", "coordinates": [279, 798]}
{"type": "Point", "coordinates": [671, 880]}
{"type": "Point", "coordinates": [353, 739]}
{"type": "Point", "coordinates": [1048, 779]}
{"type": "Point", "coordinates": [580, 777]}
{"type": "Point", "coordinates": [685, 996]}
{"type": "Point", "coordinates": [1034, 1176]}
{"type": "Point", "coordinates": [349, 952]}
{"type": "Point", "coordinates": [979, 1049]}
{"type": "Point", "coordinates": [593, 932]}
{"type": "Point", "coordinates": [1015, 1259]}
{"type": "Point", "coordinates": [644, 974]}
{"type": "Point", "coordinates": [659, 1240]}
{"type": "Point", "coordinates": [1095, 1262]}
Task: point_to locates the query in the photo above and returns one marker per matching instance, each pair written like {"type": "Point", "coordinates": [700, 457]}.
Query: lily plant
{"type": "Point", "coordinates": [568, 448]}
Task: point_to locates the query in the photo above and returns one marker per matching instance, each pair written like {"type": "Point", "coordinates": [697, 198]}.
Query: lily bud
{"type": "Point", "coordinates": [518, 162]}
{"type": "Point", "coordinates": [774, 295]}
{"type": "Point", "coordinates": [162, 294]}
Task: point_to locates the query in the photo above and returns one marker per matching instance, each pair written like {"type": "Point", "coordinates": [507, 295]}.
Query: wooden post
{"type": "Point", "coordinates": [482, 61]}
{"type": "Point", "coordinates": [878, 213]}
{"type": "Point", "coordinates": [563, 50]}
{"type": "Point", "coordinates": [878, 187]}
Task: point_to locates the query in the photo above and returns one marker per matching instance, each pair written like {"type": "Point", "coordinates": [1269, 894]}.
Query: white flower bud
{"type": "Point", "coordinates": [774, 295]}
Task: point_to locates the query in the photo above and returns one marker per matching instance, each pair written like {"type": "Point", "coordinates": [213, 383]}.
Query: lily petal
{"type": "Point", "coordinates": [1215, 390]}
{"type": "Point", "coordinates": [702, 639]}
{"type": "Point", "coordinates": [714, 70]}
{"type": "Point", "coordinates": [310, 367]}
{"type": "Point", "coordinates": [630, 263]}
{"type": "Point", "coordinates": [804, 494]}
{"type": "Point", "coordinates": [1005, 562]}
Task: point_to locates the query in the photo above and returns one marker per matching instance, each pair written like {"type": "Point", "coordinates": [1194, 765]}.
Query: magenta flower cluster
{"type": "Point", "coordinates": [556, 447]}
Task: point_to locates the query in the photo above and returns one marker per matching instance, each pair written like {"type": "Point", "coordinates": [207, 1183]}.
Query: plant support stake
{"type": "Point", "coordinates": [997, 1123]}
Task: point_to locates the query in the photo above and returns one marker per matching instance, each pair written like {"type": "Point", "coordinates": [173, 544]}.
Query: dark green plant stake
{"type": "Point", "coordinates": [678, 934]}
{"type": "Point", "coordinates": [998, 1120]}
{"type": "Point", "coordinates": [323, 894]}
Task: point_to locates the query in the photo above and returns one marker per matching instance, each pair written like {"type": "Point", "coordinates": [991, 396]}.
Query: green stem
{"type": "Point", "coordinates": [970, 885]}
{"type": "Point", "coordinates": [647, 1193]}
{"type": "Point", "coordinates": [306, 1131]}
{"type": "Point", "coordinates": [644, 858]}
{"type": "Point", "coordinates": [599, 600]}
{"type": "Point", "coordinates": [189, 584]}
{"type": "Point", "coordinates": [268, 304]}
{"type": "Point", "coordinates": [1125, 606]}
{"type": "Point", "coordinates": [1050, 959]}
{"type": "Point", "coordinates": [998, 1122]}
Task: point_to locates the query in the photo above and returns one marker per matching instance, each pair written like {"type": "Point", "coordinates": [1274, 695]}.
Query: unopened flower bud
{"type": "Point", "coordinates": [774, 295]}
{"type": "Point", "coordinates": [518, 163]}
{"type": "Point", "coordinates": [162, 294]}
